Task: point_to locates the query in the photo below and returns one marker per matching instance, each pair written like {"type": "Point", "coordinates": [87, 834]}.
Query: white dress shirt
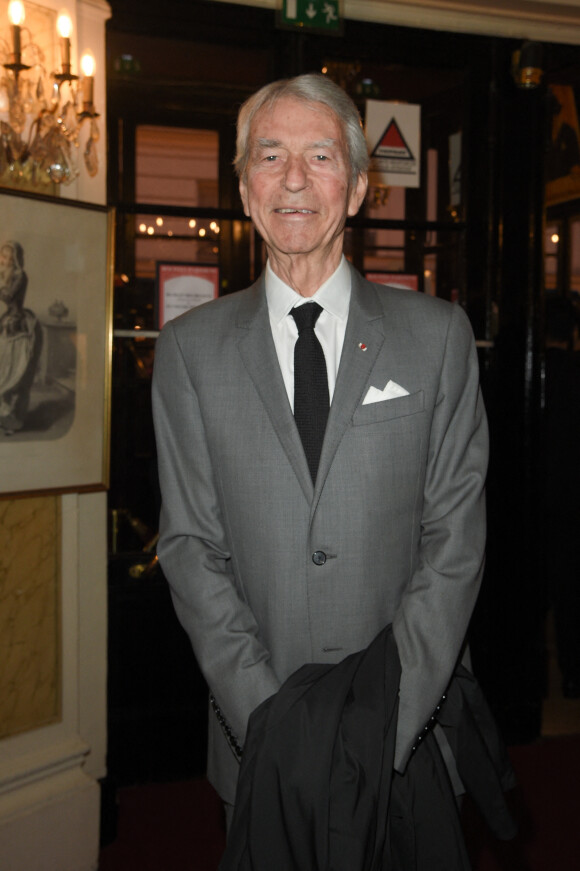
{"type": "Point", "coordinates": [333, 297]}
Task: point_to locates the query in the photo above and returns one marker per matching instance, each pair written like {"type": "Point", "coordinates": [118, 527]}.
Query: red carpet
{"type": "Point", "coordinates": [178, 826]}
{"type": "Point", "coordinates": [167, 827]}
{"type": "Point", "coordinates": [546, 805]}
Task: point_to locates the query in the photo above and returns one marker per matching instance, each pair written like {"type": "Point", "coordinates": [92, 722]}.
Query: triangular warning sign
{"type": "Point", "coordinates": [392, 144]}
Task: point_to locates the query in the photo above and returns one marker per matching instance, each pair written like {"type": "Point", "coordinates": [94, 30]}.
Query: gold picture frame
{"type": "Point", "coordinates": [56, 279]}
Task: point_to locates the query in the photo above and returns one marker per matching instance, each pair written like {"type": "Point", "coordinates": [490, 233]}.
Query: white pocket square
{"type": "Point", "coordinates": [391, 391]}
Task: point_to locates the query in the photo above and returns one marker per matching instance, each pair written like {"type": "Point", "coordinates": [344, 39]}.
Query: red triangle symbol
{"type": "Point", "coordinates": [392, 144]}
{"type": "Point", "coordinates": [392, 137]}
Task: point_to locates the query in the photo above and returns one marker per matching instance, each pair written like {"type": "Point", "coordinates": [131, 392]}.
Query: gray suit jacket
{"type": "Point", "coordinates": [397, 510]}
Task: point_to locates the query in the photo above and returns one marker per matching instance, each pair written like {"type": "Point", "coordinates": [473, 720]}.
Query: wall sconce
{"type": "Point", "coordinates": [527, 65]}
{"type": "Point", "coordinates": [41, 114]}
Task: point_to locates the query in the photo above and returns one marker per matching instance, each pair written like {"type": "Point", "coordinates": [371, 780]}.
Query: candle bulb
{"type": "Point", "coordinates": [64, 28]}
{"type": "Point", "coordinates": [16, 17]}
{"type": "Point", "coordinates": [16, 42]}
{"type": "Point", "coordinates": [65, 53]}
{"type": "Point", "coordinates": [88, 69]}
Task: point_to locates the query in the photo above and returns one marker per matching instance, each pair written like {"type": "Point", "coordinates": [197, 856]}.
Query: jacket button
{"type": "Point", "coordinates": [318, 557]}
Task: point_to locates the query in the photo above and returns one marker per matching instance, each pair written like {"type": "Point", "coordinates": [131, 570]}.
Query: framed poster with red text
{"type": "Point", "coordinates": [182, 286]}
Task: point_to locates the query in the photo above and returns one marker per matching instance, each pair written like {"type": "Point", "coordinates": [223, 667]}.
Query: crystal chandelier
{"type": "Point", "coordinates": [41, 113]}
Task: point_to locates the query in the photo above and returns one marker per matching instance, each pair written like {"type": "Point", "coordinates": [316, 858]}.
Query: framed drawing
{"type": "Point", "coordinates": [56, 264]}
{"type": "Point", "coordinates": [181, 286]}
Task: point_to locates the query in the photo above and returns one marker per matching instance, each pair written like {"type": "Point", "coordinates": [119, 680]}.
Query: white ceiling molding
{"type": "Point", "coordinates": [542, 20]}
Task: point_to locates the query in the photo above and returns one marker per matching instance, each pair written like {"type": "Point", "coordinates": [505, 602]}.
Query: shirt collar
{"type": "Point", "coordinates": [333, 295]}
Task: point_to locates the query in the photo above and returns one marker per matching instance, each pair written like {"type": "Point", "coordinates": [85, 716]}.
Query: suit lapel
{"type": "Point", "coordinates": [259, 356]}
{"type": "Point", "coordinates": [363, 341]}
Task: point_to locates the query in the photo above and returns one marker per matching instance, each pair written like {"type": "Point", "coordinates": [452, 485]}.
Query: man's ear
{"type": "Point", "coordinates": [244, 195]}
{"type": "Point", "coordinates": [358, 194]}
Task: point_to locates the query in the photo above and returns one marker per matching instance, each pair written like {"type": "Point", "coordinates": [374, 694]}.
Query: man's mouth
{"type": "Point", "coordinates": [294, 211]}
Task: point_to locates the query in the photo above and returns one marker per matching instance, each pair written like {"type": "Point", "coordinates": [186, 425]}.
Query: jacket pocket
{"type": "Point", "coordinates": [389, 409]}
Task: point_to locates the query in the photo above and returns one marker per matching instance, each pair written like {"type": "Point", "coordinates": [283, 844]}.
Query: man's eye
{"type": "Point", "coordinates": [270, 158]}
{"type": "Point", "coordinates": [321, 157]}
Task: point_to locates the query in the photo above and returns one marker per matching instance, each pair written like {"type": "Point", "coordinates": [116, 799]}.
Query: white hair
{"type": "Point", "coordinates": [309, 88]}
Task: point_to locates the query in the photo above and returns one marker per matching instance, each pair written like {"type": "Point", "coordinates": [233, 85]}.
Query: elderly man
{"type": "Point", "coordinates": [321, 476]}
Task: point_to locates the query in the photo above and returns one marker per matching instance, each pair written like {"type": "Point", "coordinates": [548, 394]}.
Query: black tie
{"type": "Point", "coordinates": [311, 402]}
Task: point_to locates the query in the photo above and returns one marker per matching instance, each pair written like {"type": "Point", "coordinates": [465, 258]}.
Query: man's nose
{"type": "Point", "coordinates": [296, 176]}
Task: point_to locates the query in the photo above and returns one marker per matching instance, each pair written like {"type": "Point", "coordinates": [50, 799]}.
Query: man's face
{"type": "Point", "coordinates": [297, 187]}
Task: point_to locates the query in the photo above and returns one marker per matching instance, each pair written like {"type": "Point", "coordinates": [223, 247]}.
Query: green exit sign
{"type": "Point", "coordinates": [312, 14]}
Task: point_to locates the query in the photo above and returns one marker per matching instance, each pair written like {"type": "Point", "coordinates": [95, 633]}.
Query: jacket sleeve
{"type": "Point", "coordinates": [193, 549]}
{"type": "Point", "coordinates": [435, 610]}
